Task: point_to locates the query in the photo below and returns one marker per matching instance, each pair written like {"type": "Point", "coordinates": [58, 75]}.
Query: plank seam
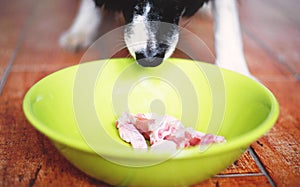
{"type": "Point", "coordinates": [20, 40]}
{"type": "Point", "coordinates": [261, 166]}
{"type": "Point", "coordinates": [238, 175]}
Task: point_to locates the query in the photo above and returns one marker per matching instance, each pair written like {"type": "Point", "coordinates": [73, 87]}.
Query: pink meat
{"type": "Point", "coordinates": [159, 129]}
{"type": "Point", "coordinates": [129, 133]}
{"type": "Point", "coordinates": [167, 126]}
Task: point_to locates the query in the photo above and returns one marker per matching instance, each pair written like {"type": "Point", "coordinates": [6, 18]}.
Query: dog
{"type": "Point", "coordinates": [151, 32]}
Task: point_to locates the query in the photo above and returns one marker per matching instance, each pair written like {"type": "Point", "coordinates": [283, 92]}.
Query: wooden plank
{"type": "Point", "coordinates": [235, 181]}
{"type": "Point", "coordinates": [40, 49]}
{"type": "Point", "coordinates": [39, 52]}
{"type": "Point", "coordinates": [20, 153]}
{"type": "Point", "coordinates": [269, 25]}
{"type": "Point", "coordinates": [28, 158]}
{"type": "Point", "coordinates": [261, 64]}
{"type": "Point", "coordinates": [289, 10]}
{"type": "Point", "coordinates": [245, 164]}
{"type": "Point", "coordinates": [26, 155]}
{"type": "Point", "coordinates": [13, 18]}
{"type": "Point", "coordinates": [279, 150]}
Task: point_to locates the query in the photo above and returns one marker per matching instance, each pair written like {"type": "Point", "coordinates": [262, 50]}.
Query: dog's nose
{"type": "Point", "coordinates": [149, 61]}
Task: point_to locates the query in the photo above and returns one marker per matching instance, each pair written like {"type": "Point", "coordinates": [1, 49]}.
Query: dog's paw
{"type": "Point", "coordinates": [75, 41]}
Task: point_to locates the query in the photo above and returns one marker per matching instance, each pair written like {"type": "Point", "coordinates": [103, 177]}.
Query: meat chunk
{"type": "Point", "coordinates": [129, 133]}
{"type": "Point", "coordinates": [159, 130]}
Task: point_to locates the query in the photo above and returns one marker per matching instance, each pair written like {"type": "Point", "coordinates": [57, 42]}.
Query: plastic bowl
{"type": "Point", "coordinates": [77, 107]}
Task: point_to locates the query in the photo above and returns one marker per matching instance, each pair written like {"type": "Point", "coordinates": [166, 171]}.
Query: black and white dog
{"type": "Point", "coordinates": [155, 41]}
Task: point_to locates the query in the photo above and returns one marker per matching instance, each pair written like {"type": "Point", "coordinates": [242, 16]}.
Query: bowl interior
{"type": "Point", "coordinates": [78, 106]}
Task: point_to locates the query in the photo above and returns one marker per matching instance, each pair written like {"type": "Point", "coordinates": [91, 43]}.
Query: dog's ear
{"type": "Point", "coordinates": [192, 6]}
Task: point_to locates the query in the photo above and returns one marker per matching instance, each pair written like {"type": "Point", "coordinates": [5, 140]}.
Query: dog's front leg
{"type": "Point", "coordinates": [228, 42]}
{"type": "Point", "coordinates": [84, 29]}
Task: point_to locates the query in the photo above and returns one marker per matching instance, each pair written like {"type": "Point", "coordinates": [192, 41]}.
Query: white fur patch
{"type": "Point", "coordinates": [140, 35]}
{"type": "Point", "coordinates": [137, 33]}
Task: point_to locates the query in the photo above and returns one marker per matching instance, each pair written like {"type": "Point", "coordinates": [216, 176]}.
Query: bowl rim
{"type": "Point", "coordinates": [192, 152]}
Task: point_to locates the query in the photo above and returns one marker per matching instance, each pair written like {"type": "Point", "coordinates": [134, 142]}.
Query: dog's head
{"type": "Point", "coordinates": [151, 33]}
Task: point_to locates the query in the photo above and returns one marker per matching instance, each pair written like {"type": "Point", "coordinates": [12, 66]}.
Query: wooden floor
{"type": "Point", "coordinates": [29, 30]}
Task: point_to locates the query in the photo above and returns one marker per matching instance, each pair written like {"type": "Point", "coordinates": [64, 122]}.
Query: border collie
{"type": "Point", "coordinates": [153, 26]}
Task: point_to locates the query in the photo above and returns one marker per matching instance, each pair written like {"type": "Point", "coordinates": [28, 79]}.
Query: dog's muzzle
{"type": "Point", "coordinates": [151, 56]}
{"type": "Point", "coordinates": [149, 61]}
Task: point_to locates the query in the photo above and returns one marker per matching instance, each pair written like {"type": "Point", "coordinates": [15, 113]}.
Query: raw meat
{"type": "Point", "coordinates": [136, 129]}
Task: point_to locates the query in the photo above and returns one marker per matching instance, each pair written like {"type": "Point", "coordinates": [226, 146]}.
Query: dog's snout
{"type": "Point", "coordinates": [149, 61]}
{"type": "Point", "coordinates": [152, 56]}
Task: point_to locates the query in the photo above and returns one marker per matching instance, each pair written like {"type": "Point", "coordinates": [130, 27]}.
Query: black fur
{"type": "Point", "coordinates": [167, 10]}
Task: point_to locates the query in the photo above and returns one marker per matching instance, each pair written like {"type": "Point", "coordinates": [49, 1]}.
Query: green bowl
{"type": "Point", "coordinates": [77, 107]}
